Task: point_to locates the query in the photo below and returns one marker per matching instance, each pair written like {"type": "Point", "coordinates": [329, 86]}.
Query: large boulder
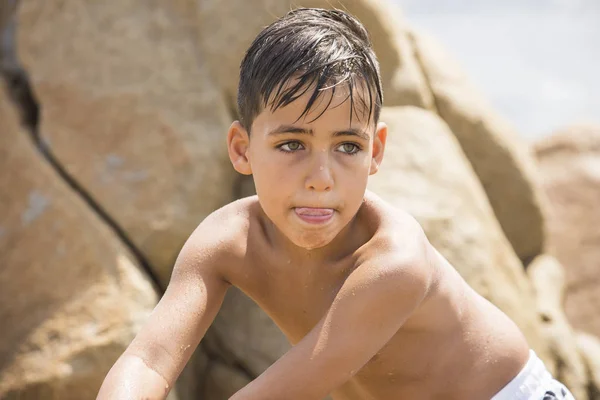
{"type": "Point", "coordinates": [589, 347]}
{"type": "Point", "coordinates": [72, 296]}
{"type": "Point", "coordinates": [130, 112]}
{"type": "Point", "coordinates": [223, 381]}
{"type": "Point", "coordinates": [243, 335]}
{"type": "Point", "coordinates": [569, 163]}
{"type": "Point", "coordinates": [7, 9]}
{"type": "Point", "coordinates": [228, 28]}
{"type": "Point", "coordinates": [194, 378]}
{"type": "Point", "coordinates": [548, 278]}
{"type": "Point", "coordinates": [499, 157]}
{"type": "Point", "coordinates": [426, 173]}
{"type": "Point", "coordinates": [17, 84]}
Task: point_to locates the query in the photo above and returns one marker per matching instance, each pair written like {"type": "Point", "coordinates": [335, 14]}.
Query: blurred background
{"type": "Point", "coordinates": [537, 61]}
{"type": "Point", "coordinates": [113, 118]}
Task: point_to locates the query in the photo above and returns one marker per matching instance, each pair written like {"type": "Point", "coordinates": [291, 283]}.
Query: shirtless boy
{"type": "Point", "coordinates": [372, 309]}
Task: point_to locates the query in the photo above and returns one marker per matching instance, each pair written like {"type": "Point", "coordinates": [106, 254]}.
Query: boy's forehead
{"type": "Point", "coordinates": [344, 105]}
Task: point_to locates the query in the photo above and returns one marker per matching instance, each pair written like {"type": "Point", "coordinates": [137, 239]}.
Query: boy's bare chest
{"type": "Point", "coordinates": [296, 296]}
{"type": "Point", "coordinates": [297, 314]}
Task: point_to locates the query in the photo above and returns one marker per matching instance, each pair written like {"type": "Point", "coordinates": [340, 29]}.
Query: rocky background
{"type": "Point", "coordinates": [112, 149]}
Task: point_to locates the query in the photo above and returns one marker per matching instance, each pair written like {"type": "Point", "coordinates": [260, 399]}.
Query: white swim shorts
{"type": "Point", "coordinates": [534, 382]}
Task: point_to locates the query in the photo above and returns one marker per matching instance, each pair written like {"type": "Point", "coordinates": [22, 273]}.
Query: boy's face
{"type": "Point", "coordinates": [310, 176]}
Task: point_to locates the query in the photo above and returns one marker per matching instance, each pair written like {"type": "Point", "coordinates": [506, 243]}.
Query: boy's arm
{"type": "Point", "coordinates": [368, 310]}
{"type": "Point", "coordinates": [151, 364]}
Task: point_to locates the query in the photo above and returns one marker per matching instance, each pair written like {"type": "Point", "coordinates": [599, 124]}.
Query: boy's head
{"type": "Point", "coordinates": [308, 49]}
{"type": "Point", "coordinates": [309, 101]}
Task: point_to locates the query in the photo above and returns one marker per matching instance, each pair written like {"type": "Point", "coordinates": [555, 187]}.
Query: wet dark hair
{"type": "Point", "coordinates": [309, 48]}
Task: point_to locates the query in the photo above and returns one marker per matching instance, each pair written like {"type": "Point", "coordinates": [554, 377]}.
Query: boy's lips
{"type": "Point", "coordinates": [314, 215]}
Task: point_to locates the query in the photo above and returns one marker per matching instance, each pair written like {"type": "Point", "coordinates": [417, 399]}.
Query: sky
{"type": "Point", "coordinates": [537, 61]}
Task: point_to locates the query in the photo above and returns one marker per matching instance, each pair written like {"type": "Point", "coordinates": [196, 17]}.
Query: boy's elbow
{"type": "Point", "coordinates": [132, 378]}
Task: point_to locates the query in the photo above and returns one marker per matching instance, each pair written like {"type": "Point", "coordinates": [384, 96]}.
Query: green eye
{"type": "Point", "coordinates": [349, 148]}
{"type": "Point", "coordinates": [290, 147]}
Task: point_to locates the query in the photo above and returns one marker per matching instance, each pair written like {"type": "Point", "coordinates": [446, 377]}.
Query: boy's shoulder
{"type": "Point", "coordinates": [221, 237]}
{"type": "Point", "coordinates": [395, 229]}
{"type": "Point", "coordinates": [399, 244]}
{"type": "Point", "coordinates": [230, 222]}
{"type": "Point", "coordinates": [396, 242]}
{"type": "Point", "coordinates": [235, 215]}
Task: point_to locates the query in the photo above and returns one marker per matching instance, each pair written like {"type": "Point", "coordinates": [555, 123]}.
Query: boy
{"type": "Point", "coordinates": [372, 309]}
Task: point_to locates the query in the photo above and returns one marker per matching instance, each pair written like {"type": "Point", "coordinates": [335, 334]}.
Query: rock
{"type": "Point", "coordinates": [426, 173]}
{"type": "Point", "coordinates": [7, 9]}
{"type": "Point", "coordinates": [589, 347]}
{"type": "Point", "coordinates": [72, 296]}
{"type": "Point", "coordinates": [131, 114]}
{"type": "Point", "coordinates": [569, 164]}
{"type": "Point", "coordinates": [193, 378]}
{"type": "Point", "coordinates": [547, 276]}
{"type": "Point", "coordinates": [242, 334]}
{"type": "Point", "coordinates": [14, 76]}
{"type": "Point", "coordinates": [500, 159]}
{"type": "Point", "coordinates": [226, 43]}
{"type": "Point", "coordinates": [223, 381]}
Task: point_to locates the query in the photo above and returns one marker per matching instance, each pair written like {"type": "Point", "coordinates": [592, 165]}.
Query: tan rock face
{"type": "Point", "coordinates": [569, 162]}
{"type": "Point", "coordinates": [7, 9]}
{"type": "Point", "coordinates": [589, 347]}
{"type": "Point", "coordinates": [130, 112]}
{"type": "Point", "coordinates": [243, 334]}
{"type": "Point", "coordinates": [225, 43]}
{"type": "Point", "coordinates": [426, 173]}
{"type": "Point", "coordinates": [192, 380]}
{"type": "Point", "coordinates": [223, 381]}
{"type": "Point", "coordinates": [71, 296]}
{"type": "Point", "coordinates": [500, 159]}
{"type": "Point", "coordinates": [547, 276]}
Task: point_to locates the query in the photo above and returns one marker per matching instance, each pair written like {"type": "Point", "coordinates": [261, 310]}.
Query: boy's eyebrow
{"type": "Point", "coordinates": [290, 129]}
{"type": "Point", "coordinates": [295, 129]}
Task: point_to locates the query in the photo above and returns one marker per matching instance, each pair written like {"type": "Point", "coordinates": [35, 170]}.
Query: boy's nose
{"type": "Point", "coordinates": [319, 177]}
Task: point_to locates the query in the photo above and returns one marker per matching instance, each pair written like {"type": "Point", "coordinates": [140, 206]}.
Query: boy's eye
{"type": "Point", "coordinates": [349, 148]}
{"type": "Point", "coordinates": [290, 146]}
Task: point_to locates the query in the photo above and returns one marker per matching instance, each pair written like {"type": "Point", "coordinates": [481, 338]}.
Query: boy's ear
{"type": "Point", "coordinates": [378, 147]}
{"type": "Point", "coordinates": [238, 144]}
